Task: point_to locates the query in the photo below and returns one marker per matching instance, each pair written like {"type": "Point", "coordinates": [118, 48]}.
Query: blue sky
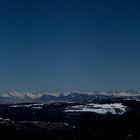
{"type": "Point", "coordinates": [69, 44]}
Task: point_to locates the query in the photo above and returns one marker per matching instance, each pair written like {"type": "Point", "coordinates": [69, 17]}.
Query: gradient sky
{"type": "Point", "coordinates": [61, 45]}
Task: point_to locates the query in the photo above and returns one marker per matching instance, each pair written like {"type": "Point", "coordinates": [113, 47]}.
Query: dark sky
{"type": "Point", "coordinates": [61, 45]}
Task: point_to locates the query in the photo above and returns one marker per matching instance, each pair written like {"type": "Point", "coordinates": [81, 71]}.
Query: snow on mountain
{"type": "Point", "coordinates": [15, 96]}
{"type": "Point", "coordinates": [33, 95]}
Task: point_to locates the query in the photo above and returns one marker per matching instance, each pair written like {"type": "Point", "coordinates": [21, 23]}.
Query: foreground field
{"type": "Point", "coordinates": [109, 119]}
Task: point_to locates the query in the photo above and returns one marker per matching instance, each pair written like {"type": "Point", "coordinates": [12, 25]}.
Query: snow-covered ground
{"type": "Point", "coordinates": [116, 108]}
{"type": "Point", "coordinates": [33, 106]}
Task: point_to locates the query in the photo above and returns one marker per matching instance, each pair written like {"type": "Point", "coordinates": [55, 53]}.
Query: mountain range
{"type": "Point", "coordinates": [19, 97]}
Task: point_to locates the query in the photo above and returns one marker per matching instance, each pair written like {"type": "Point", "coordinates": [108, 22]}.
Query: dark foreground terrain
{"type": "Point", "coordinates": [51, 122]}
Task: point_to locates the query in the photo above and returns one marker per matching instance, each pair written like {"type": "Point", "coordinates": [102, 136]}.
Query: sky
{"type": "Point", "coordinates": [59, 45]}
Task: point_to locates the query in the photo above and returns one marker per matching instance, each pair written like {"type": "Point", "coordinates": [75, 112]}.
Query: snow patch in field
{"type": "Point", "coordinates": [116, 108]}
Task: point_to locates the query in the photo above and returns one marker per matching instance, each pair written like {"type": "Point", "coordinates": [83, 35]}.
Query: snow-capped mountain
{"type": "Point", "coordinates": [18, 97]}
